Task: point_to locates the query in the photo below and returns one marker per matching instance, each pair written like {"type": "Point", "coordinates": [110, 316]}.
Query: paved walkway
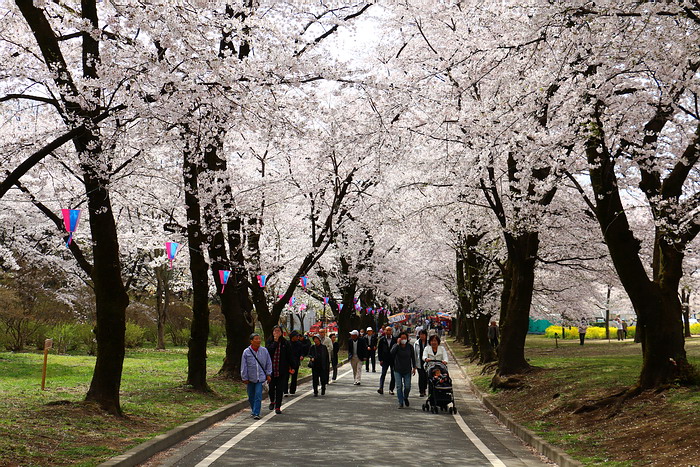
{"type": "Point", "coordinates": [355, 426]}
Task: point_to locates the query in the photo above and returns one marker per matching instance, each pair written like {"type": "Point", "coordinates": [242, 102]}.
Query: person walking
{"type": "Point", "coordinates": [434, 352]}
{"type": "Point", "coordinates": [624, 329]}
{"type": "Point", "coordinates": [319, 361]}
{"type": "Point", "coordinates": [297, 356]}
{"type": "Point", "coordinates": [325, 340]}
{"type": "Point", "coordinates": [404, 367]}
{"type": "Point", "coordinates": [620, 330]}
{"type": "Point", "coordinates": [383, 353]}
{"type": "Point", "coordinates": [371, 350]}
{"type": "Point", "coordinates": [256, 368]}
{"type": "Point", "coordinates": [582, 327]}
{"type": "Point", "coordinates": [357, 352]}
{"type": "Point", "coordinates": [334, 355]}
{"type": "Point", "coordinates": [282, 366]}
{"type": "Point", "coordinates": [493, 335]}
{"type": "Point", "coordinates": [418, 348]}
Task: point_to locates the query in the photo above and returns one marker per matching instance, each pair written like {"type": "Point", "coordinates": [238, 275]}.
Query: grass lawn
{"type": "Point", "coordinates": [55, 427]}
{"type": "Point", "coordinates": [652, 429]}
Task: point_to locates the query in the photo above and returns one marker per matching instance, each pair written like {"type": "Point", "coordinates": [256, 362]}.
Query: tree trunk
{"type": "Point", "coordinates": [685, 300]}
{"type": "Point", "coordinates": [111, 298]}
{"type": "Point", "coordinates": [162, 298]}
{"type": "Point", "coordinates": [519, 278]}
{"type": "Point", "coordinates": [199, 328]}
{"type": "Point", "coordinates": [655, 301]}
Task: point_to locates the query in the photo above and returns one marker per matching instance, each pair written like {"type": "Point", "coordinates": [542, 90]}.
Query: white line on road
{"type": "Point", "coordinates": [495, 461]}
{"type": "Point", "coordinates": [221, 450]}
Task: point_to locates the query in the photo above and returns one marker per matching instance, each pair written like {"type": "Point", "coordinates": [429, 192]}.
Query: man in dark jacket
{"type": "Point", "coordinates": [371, 350]}
{"type": "Point", "coordinates": [383, 353]}
{"type": "Point", "coordinates": [334, 355]}
{"type": "Point", "coordinates": [281, 355]}
{"type": "Point", "coordinates": [297, 356]}
{"type": "Point", "coordinates": [357, 353]}
{"type": "Point", "coordinates": [320, 365]}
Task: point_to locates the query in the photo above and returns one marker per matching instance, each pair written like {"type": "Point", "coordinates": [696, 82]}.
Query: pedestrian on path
{"type": "Point", "coordinates": [256, 368]}
{"type": "Point", "coordinates": [418, 347]}
{"type": "Point", "coordinates": [319, 361]}
{"type": "Point", "coordinates": [384, 354]}
{"type": "Point", "coordinates": [434, 352]}
{"type": "Point", "coordinates": [334, 355]}
{"type": "Point", "coordinates": [493, 335]}
{"type": "Point", "coordinates": [297, 356]}
{"type": "Point", "coordinates": [404, 367]}
{"type": "Point", "coordinates": [582, 327]}
{"type": "Point", "coordinates": [620, 330]}
{"type": "Point", "coordinates": [357, 352]}
{"type": "Point", "coordinates": [325, 340]}
{"type": "Point", "coordinates": [372, 341]}
{"type": "Point", "coordinates": [282, 366]}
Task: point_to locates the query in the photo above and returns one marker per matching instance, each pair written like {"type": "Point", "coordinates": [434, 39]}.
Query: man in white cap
{"type": "Point", "coordinates": [357, 352]}
{"type": "Point", "coordinates": [371, 350]}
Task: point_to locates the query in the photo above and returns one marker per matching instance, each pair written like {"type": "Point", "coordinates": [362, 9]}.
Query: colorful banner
{"type": "Point", "coordinates": [171, 251]}
{"type": "Point", "coordinates": [262, 280]}
{"type": "Point", "coordinates": [303, 281]}
{"type": "Point", "coordinates": [325, 300]}
{"type": "Point", "coordinates": [71, 217]}
{"type": "Point", "coordinates": [223, 277]}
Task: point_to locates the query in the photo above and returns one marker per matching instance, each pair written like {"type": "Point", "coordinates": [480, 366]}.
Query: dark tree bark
{"type": "Point", "coordinates": [111, 298]}
{"type": "Point", "coordinates": [685, 301]}
{"type": "Point", "coordinates": [162, 302]}
{"type": "Point", "coordinates": [199, 328]}
{"type": "Point", "coordinates": [655, 299]}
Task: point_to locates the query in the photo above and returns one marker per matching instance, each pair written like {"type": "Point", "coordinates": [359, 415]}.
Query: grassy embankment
{"type": "Point", "coordinates": [660, 428]}
{"type": "Point", "coordinates": [55, 427]}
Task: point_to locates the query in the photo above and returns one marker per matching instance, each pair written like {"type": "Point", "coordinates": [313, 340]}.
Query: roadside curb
{"type": "Point", "coordinates": [144, 451]}
{"type": "Point", "coordinates": [528, 436]}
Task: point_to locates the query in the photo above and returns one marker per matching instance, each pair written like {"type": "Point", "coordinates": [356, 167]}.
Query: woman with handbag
{"type": "Point", "coordinates": [282, 365]}
{"type": "Point", "coordinates": [319, 362]}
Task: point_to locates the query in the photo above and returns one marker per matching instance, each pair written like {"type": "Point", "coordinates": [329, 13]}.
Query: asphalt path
{"type": "Point", "coordinates": [356, 426]}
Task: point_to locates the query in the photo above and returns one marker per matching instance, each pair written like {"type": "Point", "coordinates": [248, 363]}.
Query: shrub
{"type": "Point", "coordinates": [593, 332]}
{"type": "Point", "coordinates": [135, 335]}
{"type": "Point", "coordinates": [216, 333]}
{"type": "Point", "coordinates": [66, 337]}
{"type": "Point", "coordinates": [179, 337]}
{"type": "Point", "coordinates": [695, 328]}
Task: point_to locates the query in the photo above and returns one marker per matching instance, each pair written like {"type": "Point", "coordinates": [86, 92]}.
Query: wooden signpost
{"type": "Point", "coordinates": [48, 343]}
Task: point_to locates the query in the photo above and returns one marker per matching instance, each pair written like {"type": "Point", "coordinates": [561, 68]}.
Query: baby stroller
{"type": "Point", "coordinates": [440, 394]}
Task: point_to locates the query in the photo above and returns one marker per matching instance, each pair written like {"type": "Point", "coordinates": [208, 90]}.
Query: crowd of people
{"type": "Point", "coordinates": [278, 362]}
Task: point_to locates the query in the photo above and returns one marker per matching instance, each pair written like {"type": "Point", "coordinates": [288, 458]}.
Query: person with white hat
{"type": "Point", "coordinates": [371, 350]}
{"type": "Point", "coordinates": [357, 352]}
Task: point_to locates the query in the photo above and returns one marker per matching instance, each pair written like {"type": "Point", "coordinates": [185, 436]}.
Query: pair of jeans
{"type": "Point", "coordinates": [403, 386]}
{"type": "Point", "coordinates": [278, 384]}
{"type": "Point", "coordinates": [335, 370]}
{"type": "Point", "coordinates": [255, 397]}
{"type": "Point", "coordinates": [582, 337]}
{"type": "Point", "coordinates": [387, 367]}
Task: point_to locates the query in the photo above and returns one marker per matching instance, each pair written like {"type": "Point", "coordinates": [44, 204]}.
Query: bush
{"type": "Point", "coordinates": [66, 337]}
{"type": "Point", "coordinates": [135, 335]}
{"type": "Point", "coordinates": [216, 333]}
{"type": "Point", "coordinates": [593, 332]}
{"type": "Point", "coordinates": [179, 337]}
{"type": "Point", "coordinates": [695, 328]}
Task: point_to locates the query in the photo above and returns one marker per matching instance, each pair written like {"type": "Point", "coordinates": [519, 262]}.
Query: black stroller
{"type": "Point", "coordinates": [440, 394]}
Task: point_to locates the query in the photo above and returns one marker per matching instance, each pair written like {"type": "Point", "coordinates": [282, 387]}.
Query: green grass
{"type": "Point", "coordinates": [570, 374]}
{"type": "Point", "coordinates": [154, 399]}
